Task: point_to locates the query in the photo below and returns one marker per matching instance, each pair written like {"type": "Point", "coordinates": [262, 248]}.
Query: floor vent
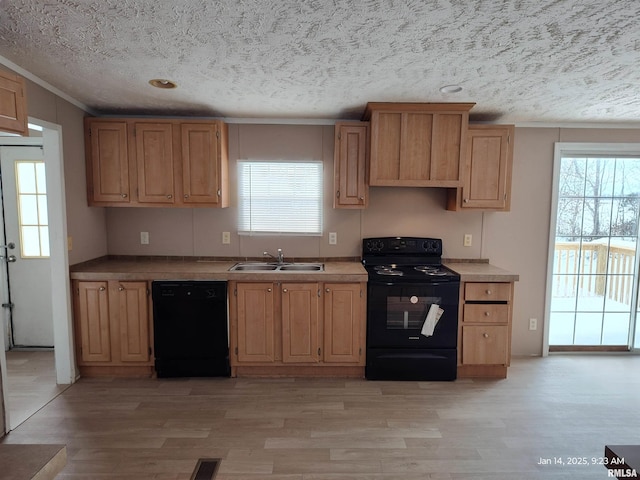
{"type": "Point", "coordinates": [206, 469]}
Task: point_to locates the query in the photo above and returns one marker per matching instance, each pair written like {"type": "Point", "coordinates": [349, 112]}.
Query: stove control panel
{"type": "Point", "coordinates": [402, 246]}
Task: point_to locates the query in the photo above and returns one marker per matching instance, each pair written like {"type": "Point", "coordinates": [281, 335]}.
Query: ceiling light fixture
{"type": "Point", "coordinates": [162, 83]}
{"type": "Point", "coordinates": [451, 89]}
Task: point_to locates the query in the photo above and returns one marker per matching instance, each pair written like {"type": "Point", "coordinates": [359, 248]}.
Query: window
{"type": "Point", "coordinates": [280, 197]}
{"type": "Point", "coordinates": [594, 271]}
{"type": "Point", "coordinates": [32, 209]}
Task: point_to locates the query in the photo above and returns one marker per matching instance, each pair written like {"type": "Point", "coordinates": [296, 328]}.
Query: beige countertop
{"type": "Point", "coordinates": [151, 269]}
{"type": "Point", "coordinates": [481, 272]}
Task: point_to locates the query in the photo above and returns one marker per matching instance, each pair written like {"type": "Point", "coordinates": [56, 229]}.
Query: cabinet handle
{"type": "Point", "coordinates": [219, 192]}
{"type": "Point", "coordinates": [485, 335]}
{"type": "Point", "coordinates": [123, 195]}
{"type": "Point", "coordinates": [318, 351]}
{"type": "Point", "coordinates": [102, 289]}
{"type": "Point", "coordinates": [488, 292]}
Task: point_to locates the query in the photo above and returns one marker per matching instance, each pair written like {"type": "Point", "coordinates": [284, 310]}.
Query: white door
{"type": "Point", "coordinates": [26, 258]}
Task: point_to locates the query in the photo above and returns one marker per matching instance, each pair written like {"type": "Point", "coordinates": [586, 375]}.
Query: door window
{"type": "Point", "coordinates": [33, 220]}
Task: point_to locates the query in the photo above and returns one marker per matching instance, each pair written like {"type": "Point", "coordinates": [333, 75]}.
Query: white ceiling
{"type": "Point", "coordinates": [520, 61]}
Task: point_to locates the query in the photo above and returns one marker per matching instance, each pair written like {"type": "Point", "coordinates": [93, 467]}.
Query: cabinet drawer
{"type": "Point", "coordinates": [485, 345]}
{"type": "Point", "coordinates": [487, 292]}
{"type": "Point", "coordinates": [486, 313]}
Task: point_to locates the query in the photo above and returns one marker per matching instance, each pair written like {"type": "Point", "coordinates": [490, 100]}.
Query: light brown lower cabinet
{"type": "Point", "coordinates": [113, 333]}
{"type": "Point", "coordinates": [297, 328]}
{"type": "Point", "coordinates": [486, 310]}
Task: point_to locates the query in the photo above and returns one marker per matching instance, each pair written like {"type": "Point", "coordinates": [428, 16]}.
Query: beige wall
{"type": "Point", "coordinates": [86, 226]}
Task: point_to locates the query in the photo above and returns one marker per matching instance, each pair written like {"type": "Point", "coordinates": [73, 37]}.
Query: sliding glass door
{"type": "Point", "coordinates": [592, 298]}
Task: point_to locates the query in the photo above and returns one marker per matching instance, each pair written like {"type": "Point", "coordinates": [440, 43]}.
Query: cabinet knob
{"type": "Point", "coordinates": [466, 200]}
{"type": "Point", "coordinates": [121, 288]}
{"type": "Point", "coordinates": [169, 196]}
{"type": "Point", "coordinates": [488, 292]}
{"type": "Point", "coordinates": [362, 199]}
{"type": "Point", "coordinates": [186, 195]}
{"type": "Point", "coordinates": [485, 335]}
{"type": "Point", "coordinates": [268, 289]}
{"type": "Point", "coordinates": [123, 195]}
{"type": "Point", "coordinates": [327, 290]}
{"type": "Point", "coordinates": [284, 290]}
{"type": "Point", "coordinates": [487, 314]}
{"type": "Point", "coordinates": [102, 289]}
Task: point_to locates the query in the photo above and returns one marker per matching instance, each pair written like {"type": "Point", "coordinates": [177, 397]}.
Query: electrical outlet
{"type": "Point", "coordinates": [533, 324]}
{"type": "Point", "coordinates": [144, 238]}
{"type": "Point", "coordinates": [226, 238]}
{"type": "Point", "coordinates": [468, 240]}
{"type": "Point", "coordinates": [333, 238]}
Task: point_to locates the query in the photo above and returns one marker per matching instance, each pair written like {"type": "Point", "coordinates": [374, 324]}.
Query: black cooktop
{"type": "Point", "coordinates": [401, 259]}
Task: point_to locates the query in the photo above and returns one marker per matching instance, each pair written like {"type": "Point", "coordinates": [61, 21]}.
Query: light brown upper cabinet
{"type": "Point", "coordinates": [350, 165]}
{"type": "Point", "coordinates": [107, 152]}
{"type": "Point", "coordinates": [489, 160]}
{"type": "Point", "coordinates": [205, 182]}
{"type": "Point", "coordinates": [156, 162]}
{"type": "Point", "coordinates": [13, 104]}
{"type": "Point", "coordinates": [417, 144]}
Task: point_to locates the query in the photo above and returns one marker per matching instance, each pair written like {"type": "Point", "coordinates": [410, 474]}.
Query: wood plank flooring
{"type": "Point", "coordinates": [31, 382]}
{"type": "Point", "coordinates": [565, 407]}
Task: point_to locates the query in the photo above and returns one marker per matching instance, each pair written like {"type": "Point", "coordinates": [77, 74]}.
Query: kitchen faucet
{"type": "Point", "coordinates": [279, 258]}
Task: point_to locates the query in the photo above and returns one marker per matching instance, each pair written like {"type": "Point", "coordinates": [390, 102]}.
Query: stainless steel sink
{"type": "Point", "coordinates": [253, 266]}
{"type": "Point", "coordinates": [272, 267]}
{"type": "Point", "coordinates": [303, 267]}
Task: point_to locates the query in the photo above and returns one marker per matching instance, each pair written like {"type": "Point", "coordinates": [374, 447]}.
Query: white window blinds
{"type": "Point", "coordinates": [280, 197]}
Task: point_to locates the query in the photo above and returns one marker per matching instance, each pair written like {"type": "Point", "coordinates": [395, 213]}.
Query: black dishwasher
{"type": "Point", "coordinates": [190, 328]}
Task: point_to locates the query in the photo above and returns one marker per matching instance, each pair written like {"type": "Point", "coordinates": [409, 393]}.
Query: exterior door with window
{"type": "Point", "coordinates": [593, 294]}
{"type": "Point", "coordinates": [28, 273]}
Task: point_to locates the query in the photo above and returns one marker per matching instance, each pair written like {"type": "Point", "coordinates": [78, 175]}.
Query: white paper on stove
{"type": "Point", "coordinates": [431, 320]}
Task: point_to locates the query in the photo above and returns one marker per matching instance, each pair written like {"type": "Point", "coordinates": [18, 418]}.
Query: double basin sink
{"type": "Point", "coordinates": [276, 267]}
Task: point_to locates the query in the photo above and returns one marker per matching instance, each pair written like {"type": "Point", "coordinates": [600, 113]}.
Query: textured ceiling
{"type": "Point", "coordinates": [518, 60]}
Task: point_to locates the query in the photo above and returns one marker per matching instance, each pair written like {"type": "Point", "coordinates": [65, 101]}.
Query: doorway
{"type": "Point", "coordinates": [592, 294]}
{"type": "Point", "coordinates": [59, 291]}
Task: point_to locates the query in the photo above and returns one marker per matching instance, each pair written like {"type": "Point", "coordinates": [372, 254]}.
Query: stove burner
{"type": "Point", "coordinates": [388, 270]}
{"type": "Point", "coordinates": [430, 270]}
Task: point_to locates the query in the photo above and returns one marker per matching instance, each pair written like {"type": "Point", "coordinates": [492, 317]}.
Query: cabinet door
{"type": "Point", "coordinates": [255, 312]}
{"type": "Point", "coordinates": [108, 162]}
{"type": "Point", "coordinates": [350, 165]}
{"type": "Point", "coordinates": [154, 163]}
{"type": "Point", "coordinates": [93, 322]}
{"type": "Point", "coordinates": [13, 104]}
{"type": "Point", "coordinates": [485, 345]}
{"type": "Point", "coordinates": [343, 323]}
{"type": "Point", "coordinates": [300, 335]}
{"type": "Point", "coordinates": [386, 132]}
{"type": "Point", "coordinates": [489, 160]}
{"type": "Point", "coordinates": [201, 163]}
{"type": "Point", "coordinates": [447, 152]}
{"type": "Point", "coordinates": [132, 320]}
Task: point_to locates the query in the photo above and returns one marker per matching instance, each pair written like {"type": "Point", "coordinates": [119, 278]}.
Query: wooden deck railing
{"type": "Point", "coordinates": [588, 266]}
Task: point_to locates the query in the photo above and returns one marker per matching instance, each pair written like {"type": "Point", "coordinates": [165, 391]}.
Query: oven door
{"type": "Point", "coordinates": [396, 314]}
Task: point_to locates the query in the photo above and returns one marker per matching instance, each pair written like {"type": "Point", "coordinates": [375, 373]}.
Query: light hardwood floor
{"type": "Point", "coordinates": [31, 382]}
{"type": "Point", "coordinates": [565, 407]}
